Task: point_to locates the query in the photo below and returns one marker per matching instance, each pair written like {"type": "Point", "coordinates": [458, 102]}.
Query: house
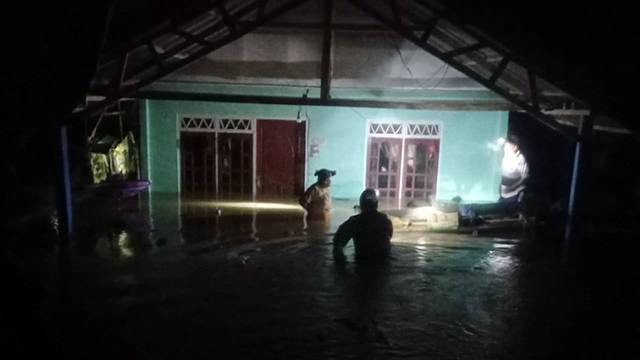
{"type": "Point", "coordinates": [399, 120]}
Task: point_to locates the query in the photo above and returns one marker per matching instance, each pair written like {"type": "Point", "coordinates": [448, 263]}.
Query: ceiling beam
{"type": "Point", "coordinates": [499, 69]}
{"type": "Point", "coordinates": [461, 23]}
{"type": "Point", "coordinates": [160, 29]}
{"type": "Point", "coordinates": [142, 76]}
{"type": "Point", "coordinates": [480, 105]}
{"type": "Point", "coordinates": [533, 90]}
{"type": "Point", "coordinates": [464, 50]}
{"type": "Point", "coordinates": [327, 52]}
{"type": "Point", "coordinates": [547, 120]}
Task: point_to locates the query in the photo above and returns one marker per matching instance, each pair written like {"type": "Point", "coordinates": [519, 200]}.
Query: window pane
{"type": "Point", "coordinates": [383, 181]}
{"type": "Point", "coordinates": [393, 182]}
{"type": "Point", "coordinates": [392, 194]}
{"type": "Point", "coordinates": [421, 159]}
{"type": "Point", "coordinates": [395, 151]}
{"type": "Point", "coordinates": [372, 164]}
{"type": "Point", "coordinates": [418, 194]}
{"type": "Point", "coordinates": [407, 193]}
{"type": "Point", "coordinates": [374, 149]}
{"type": "Point", "coordinates": [409, 181]}
{"type": "Point", "coordinates": [419, 182]}
{"type": "Point", "coordinates": [411, 150]}
{"type": "Point", "coordinates": [383, 165]}
{"type": "Point", "coordinates": [371, 181]}
{"type": "Point", "coordinates": [383, 194]}
{"type": "Point", "coordinates": [410, 166]}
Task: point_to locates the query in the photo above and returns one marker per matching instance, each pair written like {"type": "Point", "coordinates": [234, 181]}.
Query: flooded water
{"type": "Point", "coordinates": [202, 280]}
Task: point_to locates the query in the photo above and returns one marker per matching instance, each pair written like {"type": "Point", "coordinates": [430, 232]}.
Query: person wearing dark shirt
{"type": "Point", "coordinates": [370, 230]}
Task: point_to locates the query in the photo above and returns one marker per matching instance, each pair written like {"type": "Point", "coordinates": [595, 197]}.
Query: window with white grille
{"type": "Point", "coordinates": [423, 130]}
{"type": "Point", "coordinates": [197, 124]}
{"type": "Point", "coordinates": [236, 125]}
{"type": "Point", "coordinates": [385, 129]}
{"type": "Point", "coordinates": [210, 124]}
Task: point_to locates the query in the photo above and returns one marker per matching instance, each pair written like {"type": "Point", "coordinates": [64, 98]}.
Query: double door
{"type": "Point", "coordinates": [222, 164]}
{"type": "Point", "coordinates": [403, 170]}
{"type": "Point", "coordinates": [205, 175]}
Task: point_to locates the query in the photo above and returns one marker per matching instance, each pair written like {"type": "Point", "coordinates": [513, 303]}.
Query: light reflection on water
{"type": "Point", "coordinates": [254, 284]}
{"type": "Point", "coordinates": [199, 227]}
{"type": "Point", "coordinates": [440, 295]}
{"type": "Point", "coordinates": [124, 244]}
{"type": "Point", "coordinates": [499, 261]}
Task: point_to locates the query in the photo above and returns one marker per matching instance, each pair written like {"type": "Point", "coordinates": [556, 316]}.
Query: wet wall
{"type": "Point", "coordinates": [468, 167]}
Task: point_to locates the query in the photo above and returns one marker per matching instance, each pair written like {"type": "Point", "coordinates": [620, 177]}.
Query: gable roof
{"type": "Point", "coordinates": [127, 67]}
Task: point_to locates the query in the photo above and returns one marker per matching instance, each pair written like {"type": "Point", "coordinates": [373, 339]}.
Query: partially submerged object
{"type": "Point", "coordinates": [424, 218]}
{"type": "Point", "coordinates": [114, 166]}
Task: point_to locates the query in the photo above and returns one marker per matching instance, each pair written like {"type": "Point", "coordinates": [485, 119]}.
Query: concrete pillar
{"type": "Point", "coordinates": [580, 170]}
{"type": "Point", "coordinates": [63, 184]}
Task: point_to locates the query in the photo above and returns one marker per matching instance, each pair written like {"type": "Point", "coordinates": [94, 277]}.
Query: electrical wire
{"type": "Point", "coordinates": [442, 78]}
{"type": "Point", "coordinates": [397, 48]}
{"type": "Point", "coordinates": [421, 84]}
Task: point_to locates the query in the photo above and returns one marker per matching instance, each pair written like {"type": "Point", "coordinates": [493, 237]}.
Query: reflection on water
{"type": "Point", "coordinates": [198, 280]}
{"type": "Point", "coordinates": [501, 258]}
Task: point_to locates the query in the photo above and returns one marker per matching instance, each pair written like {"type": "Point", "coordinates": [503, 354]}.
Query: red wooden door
{"type": "Point", "coordinates": [280, 158]}
{"type": "Point", "coordinates": [420, 169]}
{"type": "Point", "coordinates": [383, 166]}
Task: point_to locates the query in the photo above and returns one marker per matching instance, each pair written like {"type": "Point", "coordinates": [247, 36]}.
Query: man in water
{"type": "Point", "coordinates": [371, 231]}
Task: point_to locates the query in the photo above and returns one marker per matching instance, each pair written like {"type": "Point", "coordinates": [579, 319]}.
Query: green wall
{"type": "Point", "coordinates": [468, 167]}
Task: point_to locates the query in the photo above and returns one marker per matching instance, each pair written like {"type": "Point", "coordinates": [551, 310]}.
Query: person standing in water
{"type": "Point", "coordinates": [515, 173]}
{"type": "Point", "coordinates": [317, 199]}
{"type": "Point", "coordinates": [371, 231]}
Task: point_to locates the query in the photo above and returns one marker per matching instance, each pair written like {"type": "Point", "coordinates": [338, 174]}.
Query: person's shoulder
{"type": "Point", "coordinates": [383, 218]}
{"type": "Point", "coordinates": [521, 156]}
{"type": "Point", "coordinates": [377, 215]}
{"type": "Point", "coordinates": [350, 222]}
{"type": "Point", "coordinates": [382, 215]}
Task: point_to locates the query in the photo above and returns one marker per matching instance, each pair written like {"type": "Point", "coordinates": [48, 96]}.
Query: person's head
{"type": "Point", "coordinates": [512, 144]}
{"type": "Point", "coordinates": [324, 177]}
{"type": "Point", "coordinates": [368, 200]}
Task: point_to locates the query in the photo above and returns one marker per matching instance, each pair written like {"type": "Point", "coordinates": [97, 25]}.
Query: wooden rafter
{"type": "Point", "coordinates": [386, 19]}
{"type": "Point", "coordinates": [162, 63]}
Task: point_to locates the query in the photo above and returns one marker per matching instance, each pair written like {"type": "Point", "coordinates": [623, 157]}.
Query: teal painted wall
{"type": "Point", "coordinates": [468, 168]}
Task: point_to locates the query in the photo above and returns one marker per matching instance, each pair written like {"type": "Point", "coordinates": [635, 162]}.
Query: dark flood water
{"type": "Point", "coordinates": [185, 280]}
